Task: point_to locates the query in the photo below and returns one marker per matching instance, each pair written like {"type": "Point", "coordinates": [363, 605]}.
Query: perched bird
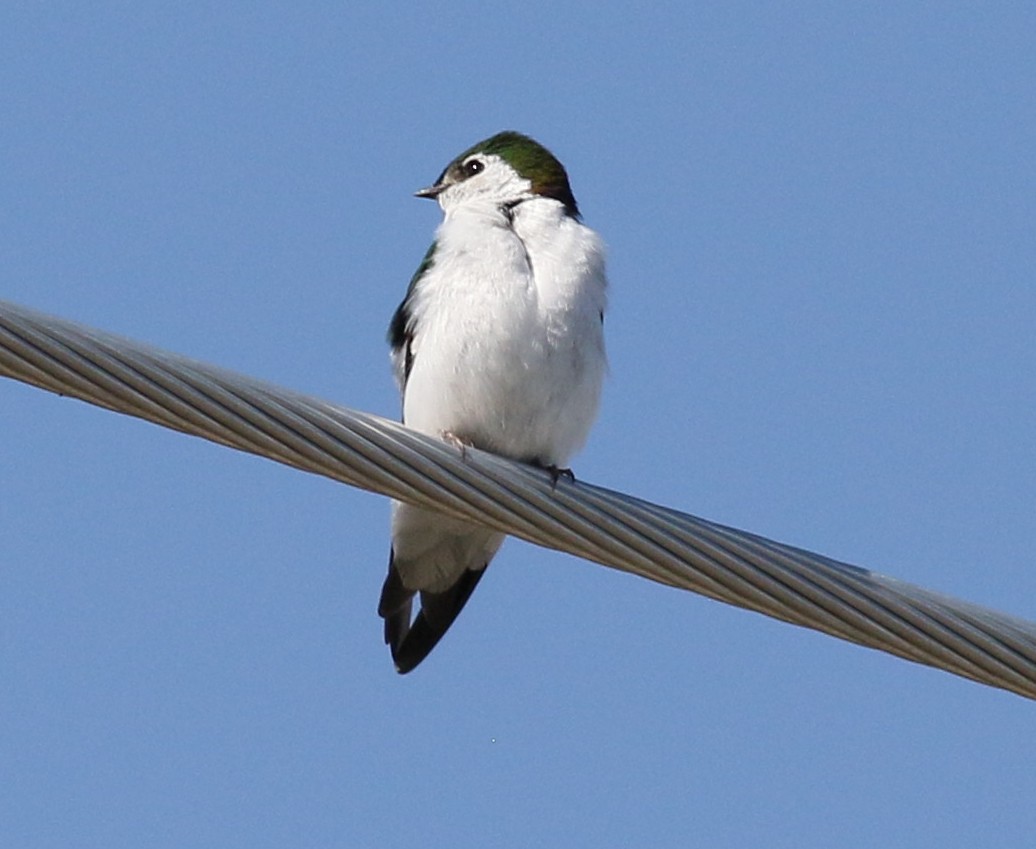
{"type": "Point", "coordinates": [499, 345]}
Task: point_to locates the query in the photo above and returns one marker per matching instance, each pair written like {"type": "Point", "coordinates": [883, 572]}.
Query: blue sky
{"type": "Point", "coordinates": [821, 221]}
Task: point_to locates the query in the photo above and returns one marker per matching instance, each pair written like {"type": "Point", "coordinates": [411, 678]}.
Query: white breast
{"type": "Point", "coordinates": [508, 349]}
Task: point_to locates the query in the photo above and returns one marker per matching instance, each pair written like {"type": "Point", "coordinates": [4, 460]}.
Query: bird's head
{"type": "Point", "coordinates": [504, 170]}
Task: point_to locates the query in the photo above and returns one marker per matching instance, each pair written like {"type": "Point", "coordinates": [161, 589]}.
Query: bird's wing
{"type": "Point", "coordinates": [403, 325]}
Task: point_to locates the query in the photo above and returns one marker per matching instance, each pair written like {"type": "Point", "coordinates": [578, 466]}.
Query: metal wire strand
{"type": "Point", "coordinates": [607, 527]}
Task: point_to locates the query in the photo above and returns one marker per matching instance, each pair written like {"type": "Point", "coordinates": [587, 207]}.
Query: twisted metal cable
{"type": "Point", "coordinates": [607, 527]}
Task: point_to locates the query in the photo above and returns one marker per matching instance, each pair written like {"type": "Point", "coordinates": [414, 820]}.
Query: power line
{"type": "Point", "coordinates": [607, 527]}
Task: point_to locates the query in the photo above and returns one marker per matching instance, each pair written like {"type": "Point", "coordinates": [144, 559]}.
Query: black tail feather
{"type": "Point", "coordinates": [411, 642]}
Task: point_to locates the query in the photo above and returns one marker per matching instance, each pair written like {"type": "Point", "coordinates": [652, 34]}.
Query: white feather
{"type": "Point", "coordinates": [508, 350]}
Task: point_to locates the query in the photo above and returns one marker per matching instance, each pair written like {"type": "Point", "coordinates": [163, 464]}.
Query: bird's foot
{"type": "Point", "coordinates": [458, 442]}
{"type": "Point", "coordinates": [555, 473]}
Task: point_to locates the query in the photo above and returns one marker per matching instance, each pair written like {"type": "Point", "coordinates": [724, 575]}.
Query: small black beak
{"type": "Point", "coordinates": [430, 192]}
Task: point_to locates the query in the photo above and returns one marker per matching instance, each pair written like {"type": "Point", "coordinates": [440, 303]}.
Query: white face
{"type": "Point", "coordinates": [483, 178]}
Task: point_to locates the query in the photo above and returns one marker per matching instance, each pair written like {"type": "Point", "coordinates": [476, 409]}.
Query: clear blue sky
{"type": "Point", "coordinates": [821, 223]}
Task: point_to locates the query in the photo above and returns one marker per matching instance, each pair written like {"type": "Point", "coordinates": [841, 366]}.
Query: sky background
{"type": "Point", "coordinates": [821, 222]}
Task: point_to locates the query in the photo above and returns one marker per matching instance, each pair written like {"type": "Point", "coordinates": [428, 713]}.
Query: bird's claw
{"type": "Point", "coordinates": [555, 473]}
{"type": "Point", "coordinates": [458, 442]}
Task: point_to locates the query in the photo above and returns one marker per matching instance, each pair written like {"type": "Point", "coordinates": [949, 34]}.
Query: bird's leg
{"type": "Point", "coordinates": [458, 442]}
{"type": "Point", "coordinates": [555, 473]}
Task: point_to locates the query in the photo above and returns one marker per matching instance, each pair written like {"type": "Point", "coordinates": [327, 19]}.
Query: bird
{"type": "Point", "coordinates": [498, 345]}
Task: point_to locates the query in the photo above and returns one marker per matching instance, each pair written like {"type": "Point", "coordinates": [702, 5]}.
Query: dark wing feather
{"type": "Point", "coordinates": [411, 642]}
{"type": "Point", "coordinates": [402, 327]}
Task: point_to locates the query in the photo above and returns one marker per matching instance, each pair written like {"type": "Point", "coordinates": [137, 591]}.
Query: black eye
{"type": "Point", "coordinates": [472, 167]}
